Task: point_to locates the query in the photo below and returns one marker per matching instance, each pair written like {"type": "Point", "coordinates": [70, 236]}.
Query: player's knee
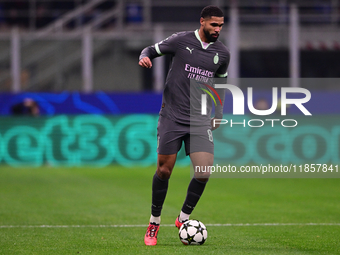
{"type": "Point", "coordinates": [202, 176]}
{"type": "Point", "coordinates": [164, 172]}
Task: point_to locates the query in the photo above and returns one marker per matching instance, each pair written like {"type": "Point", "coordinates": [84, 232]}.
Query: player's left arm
{"type": "Point", "coordinates": [221, 74]}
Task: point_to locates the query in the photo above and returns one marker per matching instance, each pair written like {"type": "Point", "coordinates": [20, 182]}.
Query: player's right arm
{"type": "Point", "coordinates": [167, 46]}
{"type": "Point", "coordinates": [145, 62]}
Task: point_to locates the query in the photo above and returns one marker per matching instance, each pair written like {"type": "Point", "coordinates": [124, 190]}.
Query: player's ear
{"type": "Point", "coordinates": [202, 21]}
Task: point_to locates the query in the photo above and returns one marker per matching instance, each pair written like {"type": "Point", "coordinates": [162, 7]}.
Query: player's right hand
{"type": "Point", "coordinates": [145, 62]}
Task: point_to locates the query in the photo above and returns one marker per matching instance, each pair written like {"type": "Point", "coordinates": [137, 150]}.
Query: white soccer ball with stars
{"type": "Point", "coordinates": [193, 232]}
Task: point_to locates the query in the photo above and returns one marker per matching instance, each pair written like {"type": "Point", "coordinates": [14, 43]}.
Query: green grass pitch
{"type": "Point", "coordinates": [64, 210]}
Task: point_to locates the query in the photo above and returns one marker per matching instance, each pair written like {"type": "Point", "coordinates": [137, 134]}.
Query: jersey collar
{"type": "Point", "coordinates": [199, 39]}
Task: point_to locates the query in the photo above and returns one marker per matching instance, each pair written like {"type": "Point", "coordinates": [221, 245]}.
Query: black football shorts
{"type": "Point", "coordinates": [171, 135]}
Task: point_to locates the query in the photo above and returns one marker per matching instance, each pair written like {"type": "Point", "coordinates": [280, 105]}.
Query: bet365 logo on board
{"type": "Point", "coordinates": [238, 105]}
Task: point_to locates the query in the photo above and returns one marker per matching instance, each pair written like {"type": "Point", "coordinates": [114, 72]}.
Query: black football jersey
{"type": "Point", "coordinates": [193, 62]}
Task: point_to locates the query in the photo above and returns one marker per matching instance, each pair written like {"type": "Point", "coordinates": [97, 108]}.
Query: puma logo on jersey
{"type": "Point", "coordinates": [189, 49]}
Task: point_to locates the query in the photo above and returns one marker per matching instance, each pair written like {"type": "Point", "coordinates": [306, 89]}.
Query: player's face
{"type": "Point", "coordinates": [212, 27]}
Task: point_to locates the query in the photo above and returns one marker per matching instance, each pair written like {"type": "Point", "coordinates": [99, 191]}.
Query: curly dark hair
{"type": "Point", "coordinates": [210, 11]}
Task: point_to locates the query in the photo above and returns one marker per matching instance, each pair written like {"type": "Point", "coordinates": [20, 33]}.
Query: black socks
{"type": "Point", "coordinates": [159, 190]}
{"type": "Point", "coordinates": [194, 193]}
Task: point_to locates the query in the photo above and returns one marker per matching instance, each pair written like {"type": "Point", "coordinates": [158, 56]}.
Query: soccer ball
{"type": "Point", "coordinates": [193, 232]}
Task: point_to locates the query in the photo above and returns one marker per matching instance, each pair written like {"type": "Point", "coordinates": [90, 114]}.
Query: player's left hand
{"type": "Point", "coordinates": [213, 127]}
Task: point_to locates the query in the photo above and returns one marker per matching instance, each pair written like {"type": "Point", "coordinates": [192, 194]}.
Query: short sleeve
{"type": "Point", "coordinates": [222, 70]}
{"type": "Point", "coordinates": [168, 45]}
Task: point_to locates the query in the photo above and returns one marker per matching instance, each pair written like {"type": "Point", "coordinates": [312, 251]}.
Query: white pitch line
{"type": "Point", "coordinates": [172, 225]}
